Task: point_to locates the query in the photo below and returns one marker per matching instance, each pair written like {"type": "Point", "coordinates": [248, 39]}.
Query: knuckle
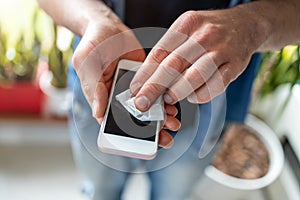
{"type": "Point", "coordinates": [188, 16]}
{"type": "Point", "coordinates": [158, 55]}
{"type": "Point", "coordinates": [202, 95]}
{"type": "Point", "coordinates": [154, 89]}
{"type": "Point", "coordinates": [226, 75]}
{"type": "Point", "coordinates": [141, 76]}
{"type": "Point", "coordinates": [174, 65]}
{"type": "Point", "coordinates": [204, 35]}
{"type": "Point", "coordinates": [174, 94]}
{"type": "Point", "coordinates": [216, 58]}
{"type": "Point", "coordinates": [195, 76]}
{"type": "Point", "coordinates": [211, 27]}
{"type": "Point", "coordinates": [85, 51]}
{"type": "Point", "coordinates": [187, 21]}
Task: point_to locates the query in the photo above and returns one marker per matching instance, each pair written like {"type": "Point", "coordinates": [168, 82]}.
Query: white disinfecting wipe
{"type": "Point", "coordinates": [155, 113]}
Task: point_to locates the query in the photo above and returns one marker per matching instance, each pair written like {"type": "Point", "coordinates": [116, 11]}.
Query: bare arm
{"type": "Point", "coordinates": [279, 18]}
{"type": "Point", "coordinates": [77, 14]}
{"type": "Point", "coordinates": [216, 49]}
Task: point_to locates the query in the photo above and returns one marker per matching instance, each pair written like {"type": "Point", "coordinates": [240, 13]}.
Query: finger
{"type": "Point", "coordinates": [95, 60]}
{"type": "Point", "coordinates": [165, 139]}
{"type": "Point", "coordinates": [88, 68]}
{"type": "Point", "coordinates": [136, 55]}
{"type": "Point", "coordinates": [146, 70]}
{"type": "Point", "coordinates": [167, 72]}
{"type": "Point", "coordinates": [193, 78]}
{"type": "Point", "coordinates": [100, 100]}
{"type": "Point", "coordinates": [103, 87]}
{"type": "Point", "coordinates": [101, 93]}
{"type": "Point", "coordinates": [216, 85]}
{"type": "Point", "coordinates": [171, 110]}
{"type": "Point", "coordinates": [172, 123]}
{"type": "Point", "coordinates": [170, 41]}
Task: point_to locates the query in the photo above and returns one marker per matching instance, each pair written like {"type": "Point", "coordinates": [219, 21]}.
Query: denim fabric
{"type": "Point", "coordinates": [179, 175]}
{"type": "Point", "coordinates": [236, 2]}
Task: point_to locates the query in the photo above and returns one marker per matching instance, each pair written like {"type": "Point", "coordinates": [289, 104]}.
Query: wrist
{"type": "Point", "coordinates": [92, 12]}
{"type": "Point", "coordinates": [259, 27]}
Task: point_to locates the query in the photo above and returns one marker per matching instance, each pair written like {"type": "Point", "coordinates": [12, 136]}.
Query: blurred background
{"type": "Point", "coordinates": [35, 154]}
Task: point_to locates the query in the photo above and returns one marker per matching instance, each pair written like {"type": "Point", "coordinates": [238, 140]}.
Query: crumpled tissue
{"type": "Point", "coordinates": [155, 113]}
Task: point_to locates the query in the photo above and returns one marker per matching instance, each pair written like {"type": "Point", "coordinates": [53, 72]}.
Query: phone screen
{"type": "Point", "coordinates": [119, 121]}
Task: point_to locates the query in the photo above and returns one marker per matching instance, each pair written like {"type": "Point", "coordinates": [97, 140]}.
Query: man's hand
{"type": "Point", "coordinates": [105, 40]}
{"type": "Point", "coordinates": [204, 51]}
{"type": "Point", "coordinates": [95, 59]}
{"type": "Point", "coordinates": [201, 53]}
{"type": "Point", "coordinates": [103, 44]}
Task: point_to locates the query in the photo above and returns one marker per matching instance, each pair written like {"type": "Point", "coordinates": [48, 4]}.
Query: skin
{"type": "Point", "coordinates": [226, 40]}
{"type": "Point", "coordinates": [95, 64]}
{"type": "Point", "coordinates": [202, 52]}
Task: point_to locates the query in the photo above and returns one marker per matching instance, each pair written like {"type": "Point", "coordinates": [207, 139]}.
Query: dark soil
{"type": "Point", "coordinates": [242, 154]}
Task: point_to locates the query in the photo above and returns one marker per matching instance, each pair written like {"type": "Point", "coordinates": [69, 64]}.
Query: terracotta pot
{"type": "Point", "coordinates": [21, 97]}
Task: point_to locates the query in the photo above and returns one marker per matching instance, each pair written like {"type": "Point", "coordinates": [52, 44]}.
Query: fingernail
{"type": "Point", "coordinates": [94, 107]}
{"type": "Point", "coordinates": [168, 98]}
{"type": "Point", "coordinates": [134, 88]}
{"type": "Point", "coordinates": [142, 102]}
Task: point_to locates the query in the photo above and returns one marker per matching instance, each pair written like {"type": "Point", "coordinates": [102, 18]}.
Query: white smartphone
{"type": "Point", "coordinates": [120, 132]}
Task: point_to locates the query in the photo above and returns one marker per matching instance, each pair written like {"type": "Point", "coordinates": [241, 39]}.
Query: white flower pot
{"type": "Point", "coordinates": [215, 184]}
{"type": "Point", "coordinates": [58, 100]}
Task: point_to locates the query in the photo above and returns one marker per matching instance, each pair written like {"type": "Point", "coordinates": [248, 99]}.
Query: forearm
{"type": "Point", "coordinates": [77, 14]}
{"type": "Point", "coordinates": [278, 22]}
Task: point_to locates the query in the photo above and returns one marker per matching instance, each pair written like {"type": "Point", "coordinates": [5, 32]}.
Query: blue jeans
{"type": "Point", "coordinates": [173, 181]}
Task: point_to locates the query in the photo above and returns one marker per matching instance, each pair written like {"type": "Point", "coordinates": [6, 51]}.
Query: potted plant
{"type": "Point", "coordinates": [217, 183]}
{"type": "Point", "coordinates": [279, 75]}
{"type": "Point", "coordinates": [279, 108]}
{"type": "Point", "coordinates": [19, 91]}
{"type": "Point", "coordinates": [53, 82]}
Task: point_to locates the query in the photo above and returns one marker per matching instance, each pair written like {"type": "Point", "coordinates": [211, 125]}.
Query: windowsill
{"type": "Point", "coordinates": [33, 130]}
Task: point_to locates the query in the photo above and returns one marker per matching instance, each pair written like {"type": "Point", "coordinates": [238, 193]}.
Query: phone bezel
{"type": "Point", "coordinates": [121, 145]}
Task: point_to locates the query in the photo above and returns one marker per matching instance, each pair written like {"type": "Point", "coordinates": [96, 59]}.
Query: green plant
{"type": "Point", "coordinates": [3, 60]}
{"type": "Point", "coordinates": [280, 68]}
{"type": "Point", "coordinates": [19, 59]}
{"type": "Point", "coordinates": [58, 62]}
{"type": "Point", "coordinates": [25, 61]}
{"type": "Point", "coordinates": [20, 55]}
